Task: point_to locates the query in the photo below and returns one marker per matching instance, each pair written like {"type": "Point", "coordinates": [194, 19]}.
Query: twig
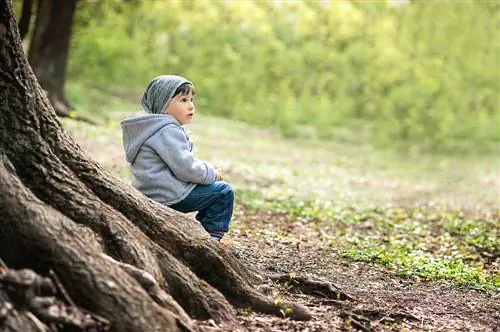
{"type": "Point", "coordinates": [60, 288]}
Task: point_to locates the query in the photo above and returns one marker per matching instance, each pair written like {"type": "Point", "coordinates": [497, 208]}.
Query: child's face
{"type": "Point", "coordinates": [182, 108]}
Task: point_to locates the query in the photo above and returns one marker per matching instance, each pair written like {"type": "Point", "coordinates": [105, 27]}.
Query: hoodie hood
{"type": "Point", "coordinates": [137, 130]}
{"type": "Point", "coordinates": [160, 91]}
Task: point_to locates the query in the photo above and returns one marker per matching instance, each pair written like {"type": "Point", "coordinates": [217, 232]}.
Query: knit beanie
{"type": "Point", "coordinates": [160, 91]}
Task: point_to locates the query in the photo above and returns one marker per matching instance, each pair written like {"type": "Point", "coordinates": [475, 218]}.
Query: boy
{"type": "Point", "coordinates": [160, 156]}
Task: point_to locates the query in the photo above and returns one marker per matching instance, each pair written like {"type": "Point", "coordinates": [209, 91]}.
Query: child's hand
{"type": "Point", "coordinates": [218, 174]}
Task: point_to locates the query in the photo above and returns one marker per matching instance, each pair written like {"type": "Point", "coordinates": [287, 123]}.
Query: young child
{"type": "Point", "coordinates": [161, 158]}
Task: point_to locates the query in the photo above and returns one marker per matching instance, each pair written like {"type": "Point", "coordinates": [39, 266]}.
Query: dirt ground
{"type": "Point", "coordinates": [382, 300]}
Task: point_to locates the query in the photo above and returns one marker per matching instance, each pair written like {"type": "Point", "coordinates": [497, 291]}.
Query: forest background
{"type": "Point", "coordinates": [420, 77]}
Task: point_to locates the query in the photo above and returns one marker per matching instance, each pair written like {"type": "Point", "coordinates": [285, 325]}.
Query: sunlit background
{"type": "Point", "coordinates": [405, 74]}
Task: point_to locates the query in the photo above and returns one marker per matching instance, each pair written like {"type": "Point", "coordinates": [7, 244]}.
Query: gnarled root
{"type": "Point", "coordinates": [311, 286]}
{"type": "Point", "coordinates": [148, 282]}
{"type": "Point", "coordinates": [30, 302]}
{"type": "Point", "coordinates": [362, 318]}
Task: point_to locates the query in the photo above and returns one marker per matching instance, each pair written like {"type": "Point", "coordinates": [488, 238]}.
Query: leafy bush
{"type": "Point", "coordinates": [425, 73]}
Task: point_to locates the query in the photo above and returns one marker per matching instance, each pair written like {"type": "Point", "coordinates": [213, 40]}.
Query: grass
{"type": "Point", "coordinates": [418, 242]}
{"type": "Point", "coordinates": [428, 216]}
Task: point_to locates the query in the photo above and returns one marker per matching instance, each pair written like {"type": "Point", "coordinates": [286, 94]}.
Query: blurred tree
{"type": "Point", "coordinates": [49, 46]}
{"type": "Point", "coordinates": [24, 21]}
{"type": "Point", "coordinates": [49, 49]}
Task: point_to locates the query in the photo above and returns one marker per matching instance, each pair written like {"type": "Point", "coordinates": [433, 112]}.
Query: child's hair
{"type": "Point", "coordinates": [184, 89]}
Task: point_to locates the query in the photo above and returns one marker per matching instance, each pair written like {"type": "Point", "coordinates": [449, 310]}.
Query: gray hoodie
{"type": "Point", "coordinates": [161, 159]}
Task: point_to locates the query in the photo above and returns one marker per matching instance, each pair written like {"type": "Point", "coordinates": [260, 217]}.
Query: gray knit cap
{"type": "Point", "coordinates": [160, 92]}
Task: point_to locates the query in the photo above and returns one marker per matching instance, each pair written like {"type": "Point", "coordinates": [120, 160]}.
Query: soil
{"type": "Point", "coordinates": [384, 300]}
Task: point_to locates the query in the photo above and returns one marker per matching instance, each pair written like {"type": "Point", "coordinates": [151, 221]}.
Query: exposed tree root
{"type": "Point", "coordinates": [364, 319]}
{"type": "Point", "coordinates": [150, 285]}
{"type": "Point", "coordinates": [30, 302]}
{"type": "Point", "coordinates": [311, 286]}
{"type": "Point", "coordinates": [328, 294]}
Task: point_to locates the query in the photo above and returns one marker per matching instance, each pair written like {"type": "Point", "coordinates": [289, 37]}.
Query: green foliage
{"type": "Point", "coordinates": [425, 73]}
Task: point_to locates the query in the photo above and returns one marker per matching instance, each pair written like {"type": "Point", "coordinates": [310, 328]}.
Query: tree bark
{"type": "Point", "coordinates": [138, 264]}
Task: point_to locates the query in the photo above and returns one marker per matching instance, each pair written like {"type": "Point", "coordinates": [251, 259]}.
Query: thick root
{"type": "Point", "coordinates": [150, 285]}
{"type": "Point", "coordinates": [50, 240]}
{"type": "Point", "coordinates": [30, 302]}
{"type": "Point", "coordinates": [311, 286]}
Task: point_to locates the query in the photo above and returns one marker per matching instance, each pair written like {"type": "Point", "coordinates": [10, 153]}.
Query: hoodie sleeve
{"type": "Point", "coordinates": [172, 146]}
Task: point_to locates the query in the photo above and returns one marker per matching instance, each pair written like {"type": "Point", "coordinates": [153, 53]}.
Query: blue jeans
{"type": "Point", "coordinates": [214, 204]}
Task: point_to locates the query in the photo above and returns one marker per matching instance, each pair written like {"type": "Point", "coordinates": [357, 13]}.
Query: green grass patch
{"type": "Point", "coordinates": [415, 242]}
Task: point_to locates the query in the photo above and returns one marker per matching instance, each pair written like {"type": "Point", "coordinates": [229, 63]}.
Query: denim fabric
{"type": "Point", "coordinates": [214, 204]}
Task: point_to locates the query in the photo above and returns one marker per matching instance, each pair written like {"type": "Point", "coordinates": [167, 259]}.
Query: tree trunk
{"type": "Point", "coordinates": [25, 20]}
{"type": "Point", "coordinates": [140, 265]}
{"type": "Point", "coordinates": [49, 50]}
